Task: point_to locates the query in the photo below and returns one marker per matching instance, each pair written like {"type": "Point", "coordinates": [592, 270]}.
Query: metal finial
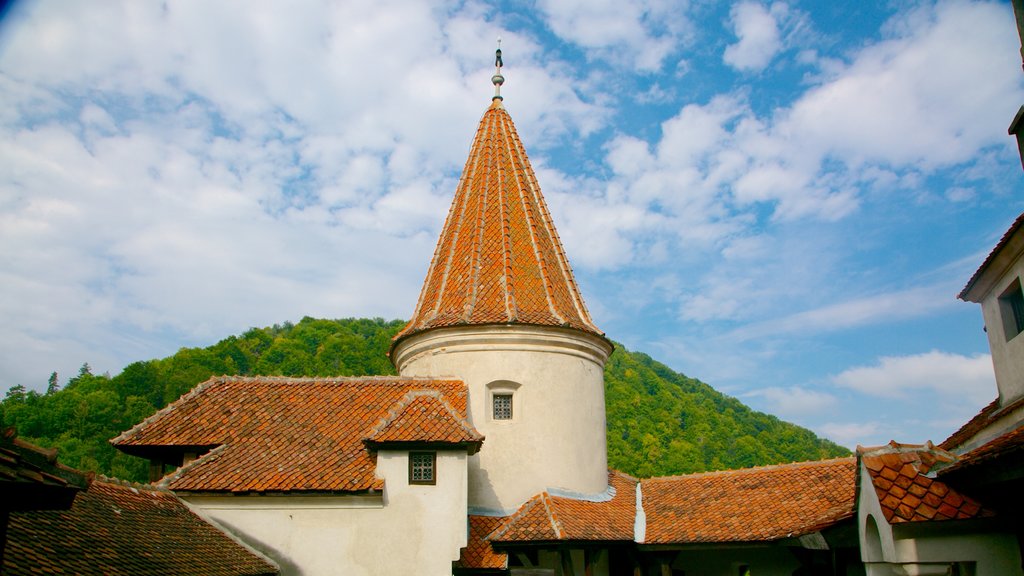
{"type": "Point", "coordinates": [497, 79]}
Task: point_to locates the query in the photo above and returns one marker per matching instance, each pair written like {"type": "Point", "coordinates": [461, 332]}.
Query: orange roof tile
{"type": "Point", "coordinates": [982, 420]}
{"type": "Point", "coordinates": [282, 434]}
{"type": "Point", "coordinates": [424, 416]}
{"type": "Point", "coordinates": [31, 478]}
{"type": "Point", "coordinates": [499, 259]}
{"type": "Point", "coordinates": [999, 447]}
{"type": "Point", "coordinates": [548, 517]}
{"type": "Point", "coordinates": [751, 505]}
{"type": "Point", "coordinates": [906, 494]}
{"type": "Point", "coordinates": [478, 553]}
{"type": "Point", "coordinates": [124, 529]}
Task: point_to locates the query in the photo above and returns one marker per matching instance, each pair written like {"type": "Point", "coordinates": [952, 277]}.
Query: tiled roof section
{"type": "Point", "coordinates": [992, 255]}
{"type": "Point", "coordinates": [1011, 442]}
{"type": "Point", "coordinates": [424, 416]}
{"type": "Point", "coordinates": [478, 553]}
{"type": "Point", "coordinates": [547, 517]}
{"type": "Point", "coordinates": [751, 505]}
{"type": "Point", "coordinates": [906, 494]}
{"type": "Point", "coordinates": [499, 259]}
{"type": "Point", "coordinates": [988, 415]}
{"type": "Point", "coordinates": [280, 434]}
{"type": "Point", "coordinates": [120, 529]}
{"type": "Point", "coordinates": [31, 478]}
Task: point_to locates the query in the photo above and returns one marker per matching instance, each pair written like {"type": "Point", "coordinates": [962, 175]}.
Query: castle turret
{"type": "Point", "coordinates": [500, 309]}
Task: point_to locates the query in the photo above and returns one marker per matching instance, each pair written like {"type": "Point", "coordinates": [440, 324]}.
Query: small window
{"type": "Point", "coordinates": [1011, 308]}
{"type": "Point", "coordinates": [502, 406]}
{"type": "Point", "coordinates": [422, 467]}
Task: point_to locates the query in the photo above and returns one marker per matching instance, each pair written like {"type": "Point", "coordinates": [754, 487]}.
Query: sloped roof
{"type": "Point", "coordinates": [1003, 243]}
{"type": "Point", "coordinates": [423, 416]}
{"type": "Point", "coordinates": [548, 517]}
{"type": "Point", "coordinates": [898, 474]}
{"type": "Point", "coordinates": [31, 478]}
{"type": "Point", "coordinates": [499, 259]}
{"type": "Point", "coordinates": [283, 434]}
{"type": "Point", "coordinates": [1011, 442]}
{"type": "Point", "coordinates": [750, 505]}
{"type": "Point", "coordinates": [986, 417]}
{"type": "Point", "coordinates": [123, 529]}
{"type": "Point", "coordinates": [478, 553]}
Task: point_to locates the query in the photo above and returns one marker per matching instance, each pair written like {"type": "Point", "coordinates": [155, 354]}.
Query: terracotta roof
{"type": "Point", "coordinates": [548, 517]}
{"type": "Point", "coordinates": [423, 416]}
{"type": "Point", "coordinates": [898, 474]}
{"type": "Point", "coordinates": [999, 447]}
{"type": "Point", "coordinates": [31, 478]}
{"type": "Point", "coordinates": [478, 553]}
{"type": "Point", "coordinates": [1003, 242]}
{"type": "Point", "coordinates": [751, 505]}
{"type": "Point", "coordinates": [499, 259]}
{"type": "Point", "coordinates": [117, 529]}
{"type": "Point", "coordinates": [988, 416]}
{"type": "Point", "coordinates": [282, 434]}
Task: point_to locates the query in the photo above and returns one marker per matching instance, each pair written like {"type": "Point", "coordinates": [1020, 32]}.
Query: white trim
{"type": "Point", "coordinates": [640, 523]}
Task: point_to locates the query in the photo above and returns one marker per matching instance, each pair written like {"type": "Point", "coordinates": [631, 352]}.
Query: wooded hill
{"type": "Point", "coordinates": [659, 421]}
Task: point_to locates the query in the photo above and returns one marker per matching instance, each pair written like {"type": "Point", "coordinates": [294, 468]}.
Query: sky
{"type": "Point", "coordinates": [782, 199]}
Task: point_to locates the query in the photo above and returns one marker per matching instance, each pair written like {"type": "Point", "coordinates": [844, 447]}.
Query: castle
{"type": "Point", "coordinates": [487, 454]}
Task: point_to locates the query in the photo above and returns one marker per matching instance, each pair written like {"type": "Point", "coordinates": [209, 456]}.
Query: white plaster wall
{"type": "Point", "coordinates": [995, 554]}
{"type": "Point", "coordinates": [1007, 356]}
{"type": "Point", "coordinates": [410, 529]}
{"type": "Point", "coordinates": [557, 436]}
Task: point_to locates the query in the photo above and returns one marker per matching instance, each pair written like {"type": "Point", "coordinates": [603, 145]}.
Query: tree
{"type": "Point", "coordinates": [52, 386]}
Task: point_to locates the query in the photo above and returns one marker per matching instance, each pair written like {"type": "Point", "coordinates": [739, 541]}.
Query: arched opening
{"type": "Point", "coordinates": [872, 541]}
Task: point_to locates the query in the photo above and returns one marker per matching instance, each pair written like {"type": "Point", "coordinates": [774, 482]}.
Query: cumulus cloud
{"type": "Point", "coordinates": [942, 373]}
{"type": "Point", "coordinates": [757, 35]}
{"type": "Point", "coordinates": [794, 401]}
{"type": "Point", "coordinates": [639, 33]}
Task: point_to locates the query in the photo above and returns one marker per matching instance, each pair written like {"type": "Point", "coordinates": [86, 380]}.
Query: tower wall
{"type": "Point", "coordinates": [556, 436]}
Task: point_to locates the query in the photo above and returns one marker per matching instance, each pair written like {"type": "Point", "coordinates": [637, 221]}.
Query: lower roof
{"type": "Point", "coordinates": [115, 528]}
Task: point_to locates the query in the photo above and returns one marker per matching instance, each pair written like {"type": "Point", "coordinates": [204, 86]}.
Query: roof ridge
{"type": "Point", "coordinates": [752, 469]}
{"type": "Point", "coordinates": [556, 525]}
{"type": "Point", "coordinates": [194, 392]}
{"type": "Point", "coordinates": [103, 479]}
{"type": "Point", "coordinates": [210, 456]}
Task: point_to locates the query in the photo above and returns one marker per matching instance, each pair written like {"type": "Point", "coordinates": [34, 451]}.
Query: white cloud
{"type": "Point", "coordinates": [794, 401]}
{"type": "Point", "coordinates": [757, 35]}
{"type": "Point", "coordinates": [948, 375]}
{"type": "Point", "coordinates": [851, 434]}
{"type": "Point", "coordinates": [639, 33]}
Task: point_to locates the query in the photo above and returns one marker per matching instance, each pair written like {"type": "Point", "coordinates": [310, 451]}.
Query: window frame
{"type": "Point", "coordinates": [504, 396]}
{"type": "Point", "coordinates": [1011, 310]}
{"type": "Point", "coordinates": [413, 456]}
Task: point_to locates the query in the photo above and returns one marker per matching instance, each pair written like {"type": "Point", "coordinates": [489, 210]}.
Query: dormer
{"type": "Point", "coordinates": [997, 287]}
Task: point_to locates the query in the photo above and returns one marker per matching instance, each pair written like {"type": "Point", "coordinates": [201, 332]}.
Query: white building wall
{"type": "Point", "coordinates": [409, 529]}
{"type": "Point", "coordinates": [1007, 356]}
{"type": "Point", "coordinates": [556, 438]}
{"type": "Point", "coordinates": [936, 546]}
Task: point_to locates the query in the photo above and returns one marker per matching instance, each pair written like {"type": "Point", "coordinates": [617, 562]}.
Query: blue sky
{"type": "Point", "coordinates": [779, 198]}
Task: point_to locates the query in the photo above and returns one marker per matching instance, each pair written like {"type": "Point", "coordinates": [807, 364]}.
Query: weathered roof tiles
{"type": "Point", "coordinates": [499, 259]}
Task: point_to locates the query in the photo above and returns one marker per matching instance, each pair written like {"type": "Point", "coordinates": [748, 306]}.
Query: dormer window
{"type": "Point", "coordinates": [1011, 309]}
{"type": "Point", "coordinates": [423, 468]}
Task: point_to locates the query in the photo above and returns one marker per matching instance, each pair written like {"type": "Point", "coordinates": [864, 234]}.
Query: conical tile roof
{"type": "Point", "coordinates": [499, 259]}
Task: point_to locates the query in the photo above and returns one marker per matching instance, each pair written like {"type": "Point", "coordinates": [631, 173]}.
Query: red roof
{"type": "Point", "coordinates": [1011, 442]}
{"type": "Point", "coordinates": [122, 529]}
{"type": "Point", "coordinates": [31, 478]}
{"type": "Point", "coordinates": [292, 434]}
{"type": "Point", "coordinates": [751, 505]}
{"type": "Point", "coordinates": [423, 416]}
{"type": "Point", "coordinates": [898, 474]}
{"type": "Point", "coordinates": [499, 259]}
{"type": "Point", "coordinates": [548, 517]}
{"type": "Point", "coordinates": [982, 420]}
{"type": "Point", "coordinates": [478, 553]}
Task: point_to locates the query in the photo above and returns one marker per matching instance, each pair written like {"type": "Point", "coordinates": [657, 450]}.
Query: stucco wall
{"type": "Point", "coordinates": [407, 526]}
{"type": "Point", "coordinates": [933, 547]}
{"type": "Point", "coordinates": [556, 438]}
{"type": "Point", "coordinates": [1007, 356]}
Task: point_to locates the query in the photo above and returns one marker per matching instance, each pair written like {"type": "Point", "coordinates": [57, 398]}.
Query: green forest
{"type": "Point", "coordinates": [660, 422]}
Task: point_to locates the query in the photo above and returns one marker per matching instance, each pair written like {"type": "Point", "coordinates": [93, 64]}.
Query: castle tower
{"type": "Point", "coordinates": [500, 310]}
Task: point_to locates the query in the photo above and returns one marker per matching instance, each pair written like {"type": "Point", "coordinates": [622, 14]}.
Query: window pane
{"type": "Point", "coordinates": [421, 467]}
{"type": "Point", "coordinates": [502, 406]}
